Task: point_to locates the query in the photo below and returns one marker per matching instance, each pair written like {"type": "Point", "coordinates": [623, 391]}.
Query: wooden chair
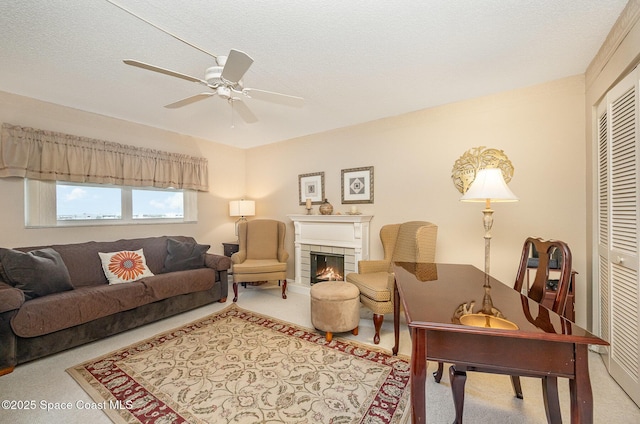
{"type": "Point", "coordinates": [261, 255]}
{"type": "Point", "coordinates": [413, 241]}
{"type": "Point", "coordinates": [536, 292]}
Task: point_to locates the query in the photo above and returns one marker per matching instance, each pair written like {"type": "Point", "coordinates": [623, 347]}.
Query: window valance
{"type": "Point", "coordinates": [46, 155]}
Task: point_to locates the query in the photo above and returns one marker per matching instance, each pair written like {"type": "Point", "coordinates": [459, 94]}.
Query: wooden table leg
{"type": "Point", "coordinates": [418, 375]}
{"type": "Point", "coordinates": [396, 318]}
{"type": "Point", "coordinates": [580, 388]}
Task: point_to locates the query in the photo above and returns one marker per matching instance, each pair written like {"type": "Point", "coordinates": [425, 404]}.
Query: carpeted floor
{"type": "Point", "coordinates": [488, 398]}
{"type": "Point", "coordinates": [237, 366]}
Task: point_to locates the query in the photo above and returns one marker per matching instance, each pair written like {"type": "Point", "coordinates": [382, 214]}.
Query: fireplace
{"type": "Point", "coordinates": [344, 235]}
{"type": "Point", "coordinates": [326, 267]}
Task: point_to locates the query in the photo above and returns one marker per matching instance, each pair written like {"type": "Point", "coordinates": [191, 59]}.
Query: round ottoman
{"type": "Point", "coordinates": [335, 307]}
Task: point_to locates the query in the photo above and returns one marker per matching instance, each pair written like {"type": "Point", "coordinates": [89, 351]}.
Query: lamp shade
{"type": "Point", "coordinates": [489, 185]}
{"type": "Point", "coordinates": [242, 208]}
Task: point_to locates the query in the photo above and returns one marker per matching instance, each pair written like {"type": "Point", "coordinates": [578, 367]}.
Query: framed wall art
{"type": "Point", "coordinates": [311, 186]}
{"type": "Point", "coordinates": [357, 185]}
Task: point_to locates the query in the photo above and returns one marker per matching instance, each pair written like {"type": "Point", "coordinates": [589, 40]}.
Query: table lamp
{"type": "Point", "coordinates": [242, 208]}
{"type": "Point", "coordinates": [488, 186]}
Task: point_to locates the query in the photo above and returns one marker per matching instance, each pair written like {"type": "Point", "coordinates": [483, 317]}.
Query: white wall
{"type": "Point", "coordinates": [541, 129]}
{"type": "Point", "coordinates": [226, 177]}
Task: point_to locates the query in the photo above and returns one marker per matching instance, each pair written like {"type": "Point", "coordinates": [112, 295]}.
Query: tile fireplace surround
{"type": "Point", "coordinates": [347, 235]}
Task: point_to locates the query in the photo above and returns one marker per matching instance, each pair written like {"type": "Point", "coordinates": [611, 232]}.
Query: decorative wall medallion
{"type": "Point", "coordinates": [465, 168]}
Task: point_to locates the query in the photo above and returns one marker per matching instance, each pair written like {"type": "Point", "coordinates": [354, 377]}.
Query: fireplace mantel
{"type": "Point", "coordinates": [334, 231]}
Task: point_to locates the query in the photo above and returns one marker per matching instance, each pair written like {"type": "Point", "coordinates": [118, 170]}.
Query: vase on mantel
{"type": "Point", "coordinates": [326, 208]}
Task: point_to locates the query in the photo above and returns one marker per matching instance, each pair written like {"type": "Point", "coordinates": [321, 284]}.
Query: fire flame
{"type": "Point", "coordinates": [329, 274]}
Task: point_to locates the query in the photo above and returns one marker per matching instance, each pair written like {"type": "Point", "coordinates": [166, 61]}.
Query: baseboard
{"type": "Point", "coordinates": [298, 288]}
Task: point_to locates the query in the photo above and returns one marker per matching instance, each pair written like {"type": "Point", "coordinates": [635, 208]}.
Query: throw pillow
{"type": "Point", "coordinates": [183, 255]}
{"type": "Point", "coordinates": [124, 266]}
{"type": "Point", "coordinates": [37, 273]}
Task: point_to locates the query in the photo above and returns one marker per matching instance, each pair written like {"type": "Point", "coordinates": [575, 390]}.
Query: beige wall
{"type": "Point", "coordinates": [541, 129]}
{"type": "Point", "coordinates": [226, 176]}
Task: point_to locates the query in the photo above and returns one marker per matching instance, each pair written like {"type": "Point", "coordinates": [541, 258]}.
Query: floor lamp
{"type": "Point", "coordinates": [489, 186]}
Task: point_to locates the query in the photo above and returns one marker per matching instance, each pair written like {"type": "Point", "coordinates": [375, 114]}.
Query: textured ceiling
{"type": "Point", "coordinates": [352, 61]}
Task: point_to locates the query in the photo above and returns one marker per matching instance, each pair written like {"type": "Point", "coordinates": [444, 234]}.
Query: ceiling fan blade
{"type": "Point", "coordinates": [243, 110]}
{"type": "Point", "coordinates": [236, 65]}
{"type": "Point", "coordinates": [270, 96]}
{"type": "Point", "coordinates": [189, 100]}
{"type": "Point", "coordinates": [163, 71]}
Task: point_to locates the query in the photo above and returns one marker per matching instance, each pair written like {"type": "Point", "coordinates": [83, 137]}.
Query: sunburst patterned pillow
{"type": "Point", "coordinates": [125, 266]}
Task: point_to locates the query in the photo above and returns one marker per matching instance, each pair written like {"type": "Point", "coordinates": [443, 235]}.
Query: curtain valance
{"type": "Point", "coordinates": [46, 155]}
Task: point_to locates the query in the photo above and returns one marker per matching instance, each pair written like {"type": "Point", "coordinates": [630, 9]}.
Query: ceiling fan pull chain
{"type": "Point", "coordinates": [232, 124]}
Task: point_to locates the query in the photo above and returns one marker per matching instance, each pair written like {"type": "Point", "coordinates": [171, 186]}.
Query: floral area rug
{"type": "Point", "coordinates": [237, 366]}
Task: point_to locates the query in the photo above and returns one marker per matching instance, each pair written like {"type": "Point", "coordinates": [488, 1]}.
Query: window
{"type": "Point", "coordinates": [51, 203]}
{"type": "Point", "coordinates": [157, 204]}
{"type": "Point", "coordinates": [85, 202]}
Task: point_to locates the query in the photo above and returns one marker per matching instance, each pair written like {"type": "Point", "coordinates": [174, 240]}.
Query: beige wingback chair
{"type": "Point", "coordinates": [261, 255]}
{"type": "Point", "coordinates": [413, 241]}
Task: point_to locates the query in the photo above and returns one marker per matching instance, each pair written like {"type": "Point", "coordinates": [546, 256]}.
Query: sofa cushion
{"type": "Point", "coordinates": [64, 310]}
{"type": "Point", "coordinates": [37, 272]}
{"type": "Point", "coordinates": [163, 286]}
{"type": "Point", "coordinates": [47, 314]}
{"type": "Point", "coordinates": [184, 255]}
{"type": "Point", "coordinates": [125, 266]}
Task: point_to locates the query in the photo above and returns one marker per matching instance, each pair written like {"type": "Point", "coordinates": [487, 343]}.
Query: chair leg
{"type": "Point", "coordinates": [438, 374]}
{"type": "Point", "coordinates": [377, 324]}
{"type": "Point", "coordinates": [551, 400]}
{"type": "Point", "coordinates": [284, 288]}
{"type": "Point", "coordinates": [235, 291]}
{"type": "Point", "coordinates": [355, 331]}
{"type": "Point", "coordinates": [517, 388]}
{"type": "Point", "coordinates": [457, 379]}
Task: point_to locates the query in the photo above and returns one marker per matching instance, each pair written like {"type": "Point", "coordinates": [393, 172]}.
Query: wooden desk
{"type": "Point", "coordinates": [545, 344]}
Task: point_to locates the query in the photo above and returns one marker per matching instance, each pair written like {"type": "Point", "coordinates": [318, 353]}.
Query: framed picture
{"type": "Point", "coordinates": [311, 186]}
{"type": "Point", "coordinates": [357, 185]}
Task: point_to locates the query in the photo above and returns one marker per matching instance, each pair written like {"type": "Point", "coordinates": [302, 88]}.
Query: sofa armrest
{"type": "Point", "coordinates": [217, 262]}
{"type": "Point", "coordinates": [367, 266]}
{"type": "Point", "coordinates": [10, 297]}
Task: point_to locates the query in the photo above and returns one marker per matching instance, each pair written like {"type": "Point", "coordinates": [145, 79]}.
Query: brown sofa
{"type": "Point", "coordinates": [53, 316]}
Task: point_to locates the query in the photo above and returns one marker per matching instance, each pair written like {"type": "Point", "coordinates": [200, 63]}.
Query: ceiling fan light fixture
{"type": "Point", "coordinates": [224, 92]}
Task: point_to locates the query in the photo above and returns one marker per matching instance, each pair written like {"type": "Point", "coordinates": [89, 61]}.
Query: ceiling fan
{"type": "Point", "coordinates": [224, 79]}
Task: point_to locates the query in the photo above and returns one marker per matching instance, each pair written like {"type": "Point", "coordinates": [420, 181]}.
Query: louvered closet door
{"type": "Point", "coordinates": [618, 235]}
